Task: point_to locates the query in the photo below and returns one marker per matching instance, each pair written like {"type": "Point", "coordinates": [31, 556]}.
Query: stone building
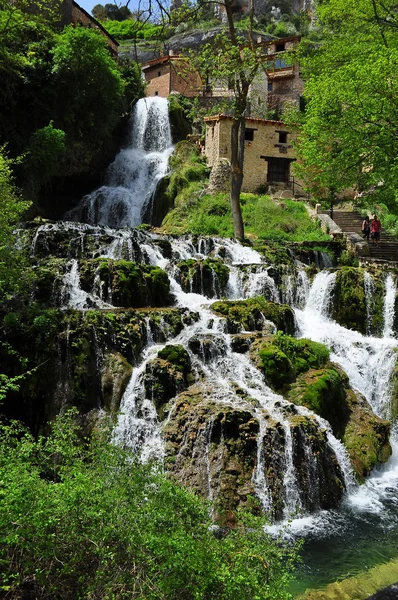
{"type": "Point", "coordinates": [268, 150]}
{"type": "Point", "coordinates": [276, 84]}
{"type": "Point", "coordinates": [285, 84]}
{"type": "Point", "coordinates": [171, 74]}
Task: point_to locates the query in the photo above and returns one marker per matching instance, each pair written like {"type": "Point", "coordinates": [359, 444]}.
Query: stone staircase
{"type": "Point", "coordinates": [351, 222]}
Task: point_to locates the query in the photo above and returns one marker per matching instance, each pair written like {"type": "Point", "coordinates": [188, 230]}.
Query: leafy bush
{"type": "Point", "coordinates": [131, 29]}
{"type": "Point", "coordinates": [81, 519]}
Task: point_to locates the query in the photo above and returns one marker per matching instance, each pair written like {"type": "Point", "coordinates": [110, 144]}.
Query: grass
{"type": "Point", "coordinates": [264, 219]}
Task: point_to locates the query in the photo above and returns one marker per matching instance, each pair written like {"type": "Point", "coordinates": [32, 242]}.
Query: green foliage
{"type": "Point", "coordinates": [82, 519]}
{"type": "Point", "coordinates": [263, 217]}
{"type": "Point", "coordinates": [45, 152]}
{"type": "Point", "coordinates": [59, 85]}
{"type": "Point", "coordinates": [286, 220]}
{"type": "Point", "coordinates": [348, 259]}
{"type": "Point", "coordinates": [131, 29]}
{"type": "Point", "coordinates": [12, 207]}
{"type": "Point", "coordinates": [89, 86]}
{"type": "Point", "coordinates": [348, 133]}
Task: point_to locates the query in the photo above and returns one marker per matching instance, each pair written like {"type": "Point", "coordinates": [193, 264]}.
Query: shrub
{"type": "Point", "coordinates": [83, 519]}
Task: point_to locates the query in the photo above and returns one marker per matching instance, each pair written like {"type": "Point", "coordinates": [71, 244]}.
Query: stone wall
{"type": "Point", "coordinates": [169, 75]}
{"type": "Point", "coordinates": [157, 77]}
{"type": "Point", "coordinates": [265, 142]}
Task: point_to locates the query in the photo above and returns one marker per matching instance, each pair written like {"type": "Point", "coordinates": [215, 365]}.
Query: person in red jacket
{"type": "Point", "coordinates": [375, 228]}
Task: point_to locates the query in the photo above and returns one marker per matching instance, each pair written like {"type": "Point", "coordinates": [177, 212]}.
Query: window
{"type": "Point", "coordinates": [280, 63]}
{"type": "Point", "coordinates": [280, 47]}
{"type": "Point", "coordinates": [159, 73]}
{"type": "Point", "coordinates": [270, 86]}
{"type": "Point", "coordinates": [283, 137]}
{"type": "Point", "coordinates": [156, 93]}
{"type": "Point", "coordinates": [249, 134]}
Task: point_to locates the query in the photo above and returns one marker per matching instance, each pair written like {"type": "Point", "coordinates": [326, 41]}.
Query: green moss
{"type": "Point", "coordinates": [282, 358]}
{"type": "Point", "coordinates": [366, 437]}
{"type": "Point", "coordinates": [132, 285]}
{"type": "Point", "coordinates": [177, 356]}
{"type": "Point", "coordinates": [199, 276]}
{"type": "Point", "coordinates": [276, 366]}
{"type": "Point", "coordinates": [349, 304]}
{"type": "Point", "coordinates": [323, 391]}
{"type": "Point", "coordinates": [249, 314]}
{"type": "Point", "coordinates": [304, 354]}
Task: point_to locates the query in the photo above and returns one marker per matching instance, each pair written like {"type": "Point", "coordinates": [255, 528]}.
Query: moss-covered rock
{"type": "Point", "coordinates": [116, 373]}
{"type": "Point", "coordinates": [349, 303]}
{"type": "Point", "coordinates": [355, 307]}
{"type": "Point", "coordinates": [211, 448]}
{"type": "Point", "coordinates": [282, 357]}
{"type": "Point", "coordinates": [366, 436]}
{"type": "Point", "coordinates": [77, 358]}
{"type": "Point", "coordinates": [167, 375]}
{"type": "Point", "coordinates": [127, 284]}
{"type": "Point", "coordinates": [324, 391]}
{"type": "Point", "coordinates": [249, 314]}
{"type": "Point", "coordinates": [208, 276]}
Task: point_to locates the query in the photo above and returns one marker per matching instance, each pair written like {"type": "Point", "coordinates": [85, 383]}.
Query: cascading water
{"type": "Point", "coordinates": [133, 176]}
{"type": "Point", "coordinates": [230, 379]}
{"type": "Point", "coordinates": [389, 306]}
{"type": "Point", "coordinates": [368, 518]}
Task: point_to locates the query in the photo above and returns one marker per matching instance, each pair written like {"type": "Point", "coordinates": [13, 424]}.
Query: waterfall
{"type": "Point", "coordinates": [320, 295]}
{"type": "Point", "coordinates": [226, 378]}
{"type": "Point", "coordinates": [133, 176]}
{"type": "Point", "coordinates": [369, 298]}
{"type": "Point", "coordinates": [389, 306]}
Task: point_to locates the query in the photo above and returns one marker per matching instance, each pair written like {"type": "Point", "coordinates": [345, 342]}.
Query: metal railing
{"type": "Point", "coordinates": [296, 184]}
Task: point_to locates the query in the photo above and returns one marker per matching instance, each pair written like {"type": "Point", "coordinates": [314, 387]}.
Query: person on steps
{"type": "Point", "coordinates": [366, 228]}
{"type": "Point", "coordinates": [375, 228]}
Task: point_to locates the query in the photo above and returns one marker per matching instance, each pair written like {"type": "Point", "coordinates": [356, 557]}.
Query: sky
{"type": "Point", "coordinates": [88, 4]}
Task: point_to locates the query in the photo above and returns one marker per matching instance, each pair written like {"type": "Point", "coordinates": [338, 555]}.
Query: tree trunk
{"type": "Point", "coordinates": [237, 145]}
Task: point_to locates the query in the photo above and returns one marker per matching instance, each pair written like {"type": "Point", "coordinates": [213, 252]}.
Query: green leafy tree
{"type": "Point", "coordinates": [81, 519]}
{"type": "Point", "coordinates": [89, 91]}
{"type": "Point", "coordinates": [12, 208]}
{"type": "Point", "coordinates": [348, 135]}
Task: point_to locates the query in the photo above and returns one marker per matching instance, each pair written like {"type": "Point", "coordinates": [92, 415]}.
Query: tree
{"type": "Point", "coordinates": [83, 519]}
{"type": "Point", "coordinates": [348, 135]}
{"type": "Point", "coordinates": [234, 60]}
{"type": "Point", "coordinates": [12, 208]}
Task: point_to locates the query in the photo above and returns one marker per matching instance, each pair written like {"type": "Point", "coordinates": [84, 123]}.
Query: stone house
{"type": "Point", "coordinates": [171, 74]}
{"type": "Point", "coordinates": [277, 82]}
{"type": "Point", "coordinates": [268, 150]}
{"type": "Point", "coordinates": [285, 84]}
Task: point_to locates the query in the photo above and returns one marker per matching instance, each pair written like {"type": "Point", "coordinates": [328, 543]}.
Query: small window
{"type": "Point", "coordinates": [249, 135]}
{"type": "Point", "coordinates": [159, 73]}
{"type": "Point", "coordinates": [156, 93]}
{"type": "Point", "coordinates": [280, 47]}
{"type": "Point", "coordinates": [270, 86]}
{"type": "Point", "coordinates": [282, 137]}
